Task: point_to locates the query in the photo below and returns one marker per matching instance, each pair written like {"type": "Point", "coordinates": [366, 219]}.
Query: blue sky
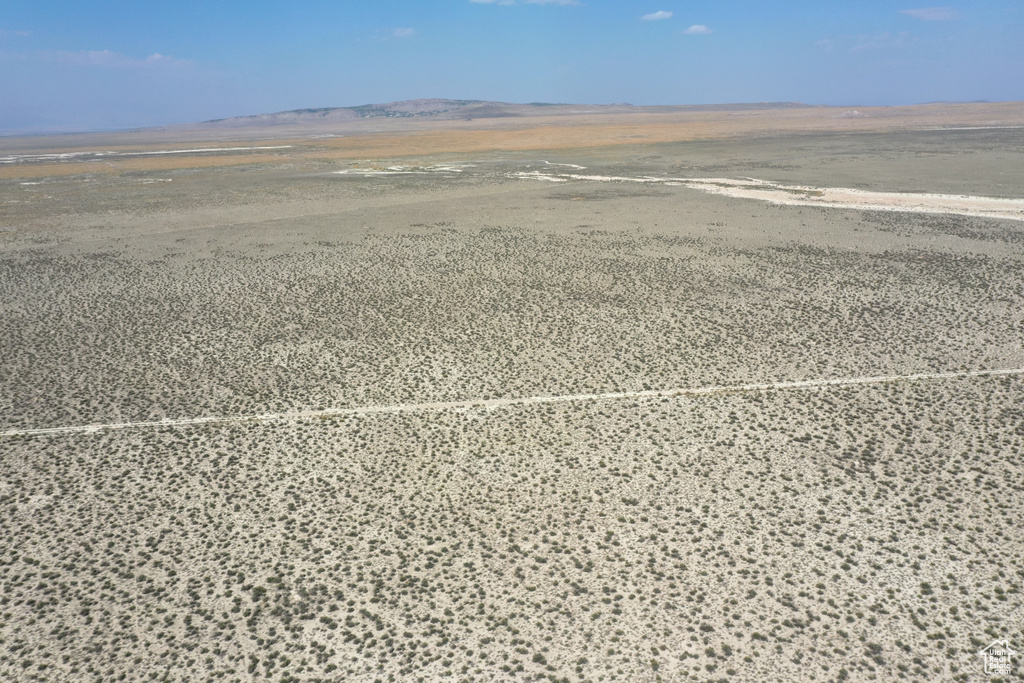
{"type": "Point", "coordinates": [81, 65]}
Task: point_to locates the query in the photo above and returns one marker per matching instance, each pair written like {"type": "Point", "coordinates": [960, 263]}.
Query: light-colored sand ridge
{"type": "Point", "coordinates": [527, 400]}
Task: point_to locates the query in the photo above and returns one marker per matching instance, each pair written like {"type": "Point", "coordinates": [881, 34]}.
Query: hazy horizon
{"type": "Point", "coordinates": [116, 66]}
{"type": "Point", "coordinates": [116, 129]}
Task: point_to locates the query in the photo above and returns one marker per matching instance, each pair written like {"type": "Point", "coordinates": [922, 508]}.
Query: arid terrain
{"type": "Point", "coordinates": [655, 395]}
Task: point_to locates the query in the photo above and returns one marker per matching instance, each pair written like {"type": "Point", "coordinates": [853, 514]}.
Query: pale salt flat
{"type": "Point", "coordinates": [849, 198]}
{"type": "Point", "coordinates": [767, 191]}
{"type": "Point", "coordinates": [551, 163]}
{"type": "Point", "coordinates": [199, 149]}
{"type": "Point", "coordinates": [70, 156]}
{"type": "Point", "coordinates": [836, 197]}
{"type": "Point", "coordinates": [402, 170]}
{"type": "Point", "coordinates": [537, 175]}
{"type": "Point", "coordinates": [975, 128]}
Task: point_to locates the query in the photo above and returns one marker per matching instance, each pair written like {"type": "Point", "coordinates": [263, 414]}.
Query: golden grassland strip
{"type": "Point", "coordinates": [585, 131]}
{"type": "Point", "coordinates": [533, 133]}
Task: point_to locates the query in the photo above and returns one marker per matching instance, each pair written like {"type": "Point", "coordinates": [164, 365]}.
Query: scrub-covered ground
{"type": "Point", "coordinates": [806, 534]}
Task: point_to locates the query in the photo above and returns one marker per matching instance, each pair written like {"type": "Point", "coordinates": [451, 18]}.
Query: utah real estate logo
{"type": "Point", "coordinates": [998, 657]}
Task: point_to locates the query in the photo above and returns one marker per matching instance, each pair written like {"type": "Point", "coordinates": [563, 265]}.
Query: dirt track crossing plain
{"type": "Point", "coordinates": [523, 400]}
{"type": "Point", "coordinates": [838, 496]}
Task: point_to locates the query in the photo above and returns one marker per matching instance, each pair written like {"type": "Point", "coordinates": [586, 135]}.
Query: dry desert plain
{"type": "Point", "coordinates": [357, 409]}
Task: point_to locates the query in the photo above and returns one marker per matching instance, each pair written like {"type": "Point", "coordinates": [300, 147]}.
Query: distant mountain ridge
{"type": "Point", "coordinates": [441, 109]}
{"type": "Point", "coordinates": [435, 107]}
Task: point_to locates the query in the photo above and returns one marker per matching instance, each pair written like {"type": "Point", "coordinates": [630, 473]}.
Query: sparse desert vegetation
{"type": "Point", "coordinates": [834, 533]}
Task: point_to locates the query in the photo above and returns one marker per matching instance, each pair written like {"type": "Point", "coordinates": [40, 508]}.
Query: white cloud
{"type": "Point", "coordinates": [698, 30]}
{"type": "Point", "coordinates": [107, 58]}
{"type": "Point", "coordinates": [656, 16]}
{"type": "Point", "coordinates": [403, 33]}
{"type": "Point", "coordinates": [931, 13]}
{"type": "Point", "coordinates": [157, 59]}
